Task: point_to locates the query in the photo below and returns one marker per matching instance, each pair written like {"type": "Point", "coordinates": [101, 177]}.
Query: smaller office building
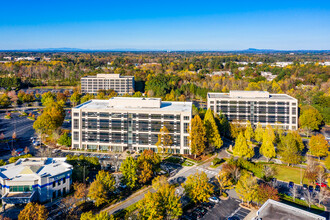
{"type": "Point", "coordinates": [34, 179]}
{"type": "Point", "coordinates": [273, 210]}
{"type": "Point", "coordinates": [118, 83]}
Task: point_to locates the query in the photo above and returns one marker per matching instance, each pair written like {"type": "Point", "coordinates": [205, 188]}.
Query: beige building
{"type": "Point", "coordinates": [123, 123]}
{"type": "Point", "coordinates": [116, 82]}
{"type": "Point", "coordinates": [256, 106]}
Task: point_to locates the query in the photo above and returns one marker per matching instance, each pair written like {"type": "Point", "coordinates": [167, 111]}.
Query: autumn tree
{"type": "Point", "coordinates": [80, 191]}
{"type": "Point", "coordinates": [289, 149]}
{"type": "Point", "coordinates": [162, 204]}
{"type": "Point", "coordinates": [249, 131]}
{"type": "Point", "coordinates": [75, 98]}
{"type": "Point", "coordinates": [233, 170]}
{"type": "Point", "coordinates": [165, 141]}
{"type": "Point", "coordinates": [33, 211]}
{"type": "Point", "coordinates": [47, 98]}
{"type": "Point", "coordinates": [259, 132]}
{"type": "Point", "coordinates": [310, 119]}
{"type": "Point", "coordinates": [129, 170]}
{"type": "Point", "coordinates": [99, 216]}
{"type": "Point", "coordinates": [101, 188]}
{"type": "Point", "coordinates": [64, 140]}
{"type": "Point", "coordinates": [318, 146]}
{"type": "Point", "coordinates": [265, 192]}
{"type": "Point", "coordinates": [87, 97]}
{"type": "Point", "coordinates": [212, 131]}
{"type": "Point", "coordinates": [327, 162]}
{"type": "Point", "coordinates": [225, 181]}
{"type": "Point", "coordinates": [247, 188]}
{"type": "Point", "coordinates": [198, 188]}
{"type": "Point", "coordinates": [267, 148]}
{"type": "Point", "coordinates": [197, 136]}
{"type": "Point", "coordinates": [145, 172]}
{"type": "Point", "coordinates": [242, 148]}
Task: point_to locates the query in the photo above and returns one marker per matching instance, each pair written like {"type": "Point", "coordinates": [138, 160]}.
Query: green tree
{"type": "Point", "coordinates": [51, 119]}
{"type": "Point", "coordinates": [212, 131]}
{"type": "Point", "coordinates": [249, 131]}
{"type": "Point", "coordinates": [2, 163]}
{"type": "Point", "coordinates": [267, 148]}
{"type": "Point", "coordinates": [198, 188]}
{"type": "Point", "coordinates": [162, 204]}
{"type": "Point", "coordinates": [64, 140]}
{"type": "Point", "coordinates": [259, 133]}
{"type": "Point", "coordinates": [75, 98]}
{"type": "Point", "coordinates": [164, 142]}
{"type": "Point", "coordinates": [106, 179]}
{"type": "Point", "coordinates": [197, 136]}
{"type": "Point", "coordinates": [4, 101]}
{"type": "Point", "coordinates": [129, 170]}
{"type": "Point", "coordinates": [318, 146]}
{"type": "Point", "coordinates": [242, 148]}
{"type": "Point", "coordinates": [289, 149]}
{"type": "Point", "coordinates": [87, 97]}
{"type": "Point", "coordinates": [33, 211]}
{"type": "Point", "coordinates": [98, 193]}
{"type": "Point", "coordinates": [223, 125]}
{"type": "Point", "coordinates": [310, 119]}
{"type": "Point", "coordinates": [247, 188]}
{"type": "Point", "coordinates": [47, 98]}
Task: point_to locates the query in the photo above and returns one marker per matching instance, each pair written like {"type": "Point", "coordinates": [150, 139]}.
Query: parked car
{"type": "Point", "coordinates": [322, 184]}
{"type": "Point", "coordinates": [291, 184]}
{"type": "Point", "coordinates": [305, 186]}
{"type": "Point", "coordinates": [310, 188]}
{"type": "Point", "coordinates": [214, 199]}
{"type": "Point", "coordinates": [317, 188]}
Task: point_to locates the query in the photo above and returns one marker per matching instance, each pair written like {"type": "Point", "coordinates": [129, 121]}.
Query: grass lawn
{"type": "Point", "coordinates": [288, 174]}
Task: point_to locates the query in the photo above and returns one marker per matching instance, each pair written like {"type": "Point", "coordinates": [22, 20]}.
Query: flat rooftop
{"type": "Point", "coordinates": [260, 95]}
{"type": "Point", "coordinates": [28, 169]}
{"type": "Point", "coordinates": [107, 76]}
{"type": "Point", "coordinates": [132, 104]}
{"type": "Point", "coordinates": [273, 210]}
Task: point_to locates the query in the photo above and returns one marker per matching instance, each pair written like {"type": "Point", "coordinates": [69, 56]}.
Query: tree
{"type": "Point", "coordinates": [242, 148]}
{"type": "Point", "coordinates": [98, 193]}
{"type": "Point", "coordinates": [81, 191]}
{"type": "Point", "coordinates": [319, 146]}
{"type": "Point", "coordinates": [47, 98]}
{"type": "Point", "coordinates": [197, 136]}
{"type": "Point", "coordinates": [129, 171]}
{"type": "Point", "coordinates": [4, 101]}
{"type": "Point", "coordinates": [323, 194]}
{"type": "Point", "coordinates": [162, 204]}
{"type": "Point", "coordinates": [2, 163]}
{"type": "Point", "coordinates": [249, 131]}
{"type": "Point", "coordinates": [75, 98]}
{"type": "Point", "coordinates": [145, 172]}
{"type": "Point", "coordinates": [87, 97]}
{"type": "Point", "coordinates": [64, 140]}
{"type": "Point", "coordinates": [164, 142]}
{"type": "Point", "coordinates": [33, 211]}
{"type": "Point", "coordinates": [198, 188]}
{"type": "Point", "coordinates": [158, 182]}
{"type": "Point", "coordinates": [100, 216]}
{"type": "Point", "coordinates": [106, 179]}
{"type": "Point", "coordinates": [267, 148]}
{"type": "Point", "coordinates": [294, 192]}
{"type": "Point", "coordinates": [310, 119]}
{"type": "Point", "coordinates": [247, 188]}
{"type": "Point", "coordinates": [233, 170]}
{"type": "Point", "coordinates": [327, 162]}
{"type": "Point", "coordinates": [225, 181]}
{"type": "Point", "coordinates": [265, 192]}
{"type": "Point", "coordinates": [51, 119]}
{"type": "Point", "coordinates": [212, 131]}
{"type": "Point", "coordinates": [311, 170]}
{"type": "Point", "coordinates": [289, 149]}
{"type": "Point", "coordinates": [223, 125]}
{"type": "Point", "coordinates": [309, 197]}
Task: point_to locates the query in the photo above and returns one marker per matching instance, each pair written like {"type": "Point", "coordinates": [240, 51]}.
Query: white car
{"type": "Point", "coordinates": [214, 199]}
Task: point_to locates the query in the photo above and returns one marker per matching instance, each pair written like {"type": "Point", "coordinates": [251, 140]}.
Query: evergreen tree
{"type": "Point", "coordinates": [129, 170]}
{"type": "Point", "coordinates": [242, 148]}
{"type": "Point", "coordinates": [212, 132]}
{"type": "Point", "coordinates": [197, 136]}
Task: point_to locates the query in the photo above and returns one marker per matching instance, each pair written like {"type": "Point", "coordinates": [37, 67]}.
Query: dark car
{"type": "Point", "coordinates": [233, 218]}
{"type": "Point", "coordinates": [305, 186]}
{"type": "Point", "coordinates": [291, 184]}
{"type": "Point", "coordinates": [317, 188]}
{"type": "Point", "coordinates": [310, 188]}
{"type": "Point", "coordinates": [208, 205]}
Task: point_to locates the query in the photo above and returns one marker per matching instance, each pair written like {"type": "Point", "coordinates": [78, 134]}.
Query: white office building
{"type": "Point", "coordinates": [123, 123]}
{"type": "Point", "coordinates": [256, 106]}
{"type": "Point", "coordinates": [34, 179]}
{"type": "Point", "coordinates": [116, 82]}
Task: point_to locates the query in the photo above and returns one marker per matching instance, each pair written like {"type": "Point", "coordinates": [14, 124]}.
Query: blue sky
{"type": "Point", "coordinates": [165, 25]}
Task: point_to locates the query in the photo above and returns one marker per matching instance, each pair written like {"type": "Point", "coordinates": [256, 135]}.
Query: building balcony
{"type": "Point", "coordinates": [20, 197]}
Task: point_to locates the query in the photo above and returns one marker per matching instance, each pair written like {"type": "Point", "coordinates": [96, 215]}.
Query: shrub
{"type": "Point", "coordinates": [14, 159]}
{"type": "Point", "coordinates": [256, 169]}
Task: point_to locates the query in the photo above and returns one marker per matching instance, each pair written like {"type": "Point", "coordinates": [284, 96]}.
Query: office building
{"type": "Point", "coordinates": [123, 123]}
{"type": "Point", "coordinates": [274, 210]}
{"type": "Point", "coordinates": [116, 82]}
{"type": "Point", "coordinates": [34, 180]}
{"type": "Point", "coordinates": [256, 106]}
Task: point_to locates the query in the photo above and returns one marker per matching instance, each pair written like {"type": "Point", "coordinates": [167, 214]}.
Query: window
{"type": "Point", "coordinates": [186, 118]}
{"type": "Point", "coordinates": [104, 114]}
{"type": "Point", "coordinates": [25, 188]}
{"type": "Point", "coordinates": [64, 180]}
{"type": "Point", "coordinates": [185, 128]}
{"type": "Point", "coordinates": [294, 111]}
{"type": "Point", "coordinates": [75, 123]}
{"type": "Point", "coordinates": [54, 184]}
{"type": "Point", "coordinates": [59, 182]}
{"type": "Point", "coordinates": [92, 114]}
{"type": "Point", "coordinates": [76, 114]}
{"type": "Point", "coordinates": [153, 116]}
{"type": "Point", "coordinates": [76, 136]}
{"type": "Point", "coordinates": [185, 141]}
{"type": "Point", "coordinates": [167, 117]}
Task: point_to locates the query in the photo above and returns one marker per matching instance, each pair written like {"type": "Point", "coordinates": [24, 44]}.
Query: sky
{"type": "Point", "coordinates": [165, 25]}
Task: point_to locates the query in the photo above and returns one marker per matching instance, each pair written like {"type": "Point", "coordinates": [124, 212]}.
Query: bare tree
{"type": "Point", "coordinates": [323, 194]}
{"type": "Point", "coordinates": [310, 197]}
{"type": "Point", "coordinates": [269, 172]}
{"type": "Point", "coordinates": [294, 192]}
{"type": "Point", "coordinates": [320, 174]}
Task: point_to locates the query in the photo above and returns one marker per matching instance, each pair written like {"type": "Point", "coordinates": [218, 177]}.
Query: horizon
{"type": "Point", "coordinates": [170, 25]}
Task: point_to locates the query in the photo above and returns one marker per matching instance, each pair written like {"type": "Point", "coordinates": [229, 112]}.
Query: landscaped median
{"type": "Point", "coordinates": [301, 204]}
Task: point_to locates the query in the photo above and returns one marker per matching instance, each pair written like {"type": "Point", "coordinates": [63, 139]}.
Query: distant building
{"type": "Point", "coordinates": [283, 64]}
{"type": "Point", "coordinates": [27, 58]}
{"type": "Point", "coordinates": [120, 84]}
{"type": "Point", "coordinates": [220, 73]}
{"type": "Point", "coordinates": [268, 75]}
{"type": "Point", "coordinates": [34, 179]}
{"type": "Point", "coordinates": [123, 123]}
{"type": "Point", "coordinates": [256, 106]}
{"type": "Point", "coordinates": [273, 210]}
{"type": "Point", "coordinates": [8, 58]}
{"type": "Point", "coordinates": [325, 63]}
